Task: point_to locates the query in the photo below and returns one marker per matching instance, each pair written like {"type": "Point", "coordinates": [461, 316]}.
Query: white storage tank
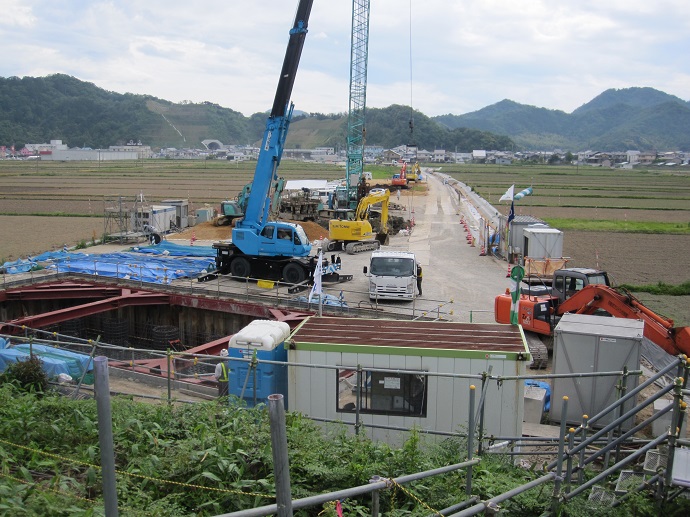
{"type": "Point", "coordinates": [587, 344]}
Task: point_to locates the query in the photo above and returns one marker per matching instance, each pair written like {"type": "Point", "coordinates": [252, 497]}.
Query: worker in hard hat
{"type": "Point", "coordinates": [221, 374]}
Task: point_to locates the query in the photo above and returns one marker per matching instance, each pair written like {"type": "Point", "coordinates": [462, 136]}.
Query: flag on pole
{"type": "Point", "coordinates": [508, 196]}
{"type": "Point", "coordinates": [516, 275]}
{"type": "Point", "coordinates": [316, 288]}
{"type": "Point", "coordinates": [511, 214]}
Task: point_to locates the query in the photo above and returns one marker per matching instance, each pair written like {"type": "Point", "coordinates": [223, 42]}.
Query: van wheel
{"type": "Point", "coordinates": [240, 267]}
{"type": "Point", "coordinates": [294, 273]}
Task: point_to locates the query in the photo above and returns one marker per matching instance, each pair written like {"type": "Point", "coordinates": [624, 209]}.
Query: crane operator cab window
{"type": "Point", "coordinates": [267, 232]}
{"type": "Point", "coordinates": [284, 234]}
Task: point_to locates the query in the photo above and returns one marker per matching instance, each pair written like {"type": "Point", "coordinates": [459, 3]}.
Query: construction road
{"type": "Point", "coordinates": [452, 269]}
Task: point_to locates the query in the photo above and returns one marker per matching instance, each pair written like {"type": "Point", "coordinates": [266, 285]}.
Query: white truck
{"type": "Point", "coordinates": [392, 275]}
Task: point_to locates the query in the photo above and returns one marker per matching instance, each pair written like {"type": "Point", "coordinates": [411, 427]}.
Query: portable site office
{"type": "Point", "coordinates": [392, 398]}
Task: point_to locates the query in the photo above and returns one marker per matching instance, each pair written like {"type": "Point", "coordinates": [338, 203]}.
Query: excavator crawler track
{"type": "Point", "coordinates": [353, 248]}
{"type": "Point", "coordinates": [538, 351]}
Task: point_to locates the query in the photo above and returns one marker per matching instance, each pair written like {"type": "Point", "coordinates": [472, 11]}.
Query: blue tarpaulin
{"type": "Point", "coordinates": [176, 250]}
{"type": "Point", "coordinates": [173, 261]}
{"type": "Point", "coordinates": [55, 361]}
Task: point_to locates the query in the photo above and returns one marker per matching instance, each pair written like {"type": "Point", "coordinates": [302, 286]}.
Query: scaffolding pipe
{"type": "Point", "coordinates": [470, 439]}
{"type": "Point", "coordinates": [474, 510]}
{"type": "Point", "coordinates": [281, 463]}
{"type": "Point", "coordinates": [613, 424]}
{"type": "Point", "coordinates": [616, 467]}
{"type": "Point", "coordinates": [645, 484]}
{"type": "Point", "coordinates": [624, 382]}
{"type": "Point", "coordinates": [456, 507]}
{"type": "Point", "coordinates": [480, 410]}
{"type": "Point", "coordinates": [623, 437]}
{"type": "Point", "coordinates": [351, 492]}
{"type": "Point", "coordinates": [105, 435]}
{"type": "Point", "coordinates": [502, 378]}
{"type": "Point", "coordinates": [675, 428]}
{"type": "Point", "coordinates": [559, 460]}
{"type": "Point", "coordinates": [633, 392]}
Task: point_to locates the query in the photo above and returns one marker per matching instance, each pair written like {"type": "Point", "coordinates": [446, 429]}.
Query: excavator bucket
{"type": "Point", "coordinates": [383, 238]}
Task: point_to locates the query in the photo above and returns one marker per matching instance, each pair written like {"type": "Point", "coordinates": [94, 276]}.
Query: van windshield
{"type": "Point", "coordinates": [392, 266]}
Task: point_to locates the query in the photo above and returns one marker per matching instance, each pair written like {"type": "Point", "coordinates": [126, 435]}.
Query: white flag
{"type": "Point", "coordinates": [508, 196]}
{"type": "Point", "coordinates": [316, 288]}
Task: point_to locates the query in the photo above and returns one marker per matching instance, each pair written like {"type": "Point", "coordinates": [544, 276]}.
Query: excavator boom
{"type": "Point", "coordinates": [658, 329]}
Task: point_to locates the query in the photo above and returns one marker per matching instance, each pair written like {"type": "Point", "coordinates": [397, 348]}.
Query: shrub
{"type": "Point", "coordinates": [26, 374]}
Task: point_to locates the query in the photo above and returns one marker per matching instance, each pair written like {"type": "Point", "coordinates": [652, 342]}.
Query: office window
{"type": "Point", "coordinates": [401, 394]}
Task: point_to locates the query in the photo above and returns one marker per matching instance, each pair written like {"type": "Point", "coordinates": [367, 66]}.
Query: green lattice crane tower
{"type": "Point", "coordinates": [356, 129]}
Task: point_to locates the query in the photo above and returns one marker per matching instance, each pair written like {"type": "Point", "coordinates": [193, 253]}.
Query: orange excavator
{"type": "Point", "coordinates": [587, 291]}
{"type": "Point", "coordinates": [400, 179]}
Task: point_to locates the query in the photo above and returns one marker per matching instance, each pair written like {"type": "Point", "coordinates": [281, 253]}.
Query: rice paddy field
{"type": "Point", "coordinates": [633, 223]}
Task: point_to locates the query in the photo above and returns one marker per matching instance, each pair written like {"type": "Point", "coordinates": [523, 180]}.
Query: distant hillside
{"type": "Point", "coordinates": [39, 109]}
{"type": "Point", "coordinates": [631, 118]}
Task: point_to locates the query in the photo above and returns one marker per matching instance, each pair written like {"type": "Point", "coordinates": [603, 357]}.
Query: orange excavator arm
{"type": "Point", "coordinates": [657, 328]}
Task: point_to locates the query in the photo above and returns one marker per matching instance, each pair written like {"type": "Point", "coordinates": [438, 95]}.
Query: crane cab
{"type": "Point", "coordinates": [276, 239]}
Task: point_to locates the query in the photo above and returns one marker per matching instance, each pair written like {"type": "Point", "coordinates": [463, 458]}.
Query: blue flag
{"type": "Point", "coordinates": [511, 215]}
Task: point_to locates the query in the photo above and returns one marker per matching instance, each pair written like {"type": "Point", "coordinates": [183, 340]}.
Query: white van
{"type": "Point", "coordinates": [392, 275]}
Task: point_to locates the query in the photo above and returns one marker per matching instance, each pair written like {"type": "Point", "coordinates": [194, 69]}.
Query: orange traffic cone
{"type": "Point", "coordinates": [509, 267]}
{"type": "Point", "coordinates": [193, 239]}
{"type": "Point", "coordinates": [482, 252]}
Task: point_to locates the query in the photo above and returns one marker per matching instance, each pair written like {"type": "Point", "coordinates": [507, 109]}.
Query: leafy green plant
{"type": "Point", "coordinates": [27, 374]}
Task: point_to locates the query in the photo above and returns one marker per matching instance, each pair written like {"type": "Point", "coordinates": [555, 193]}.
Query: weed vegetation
{"type": "Point", "coordinates": [212, 458]}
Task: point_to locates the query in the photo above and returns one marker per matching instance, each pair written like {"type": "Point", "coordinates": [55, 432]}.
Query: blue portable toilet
{"type": "Point", "coordinates": [265, 339]}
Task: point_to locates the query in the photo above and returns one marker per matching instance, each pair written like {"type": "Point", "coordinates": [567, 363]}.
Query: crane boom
{"type": "Point", "coordinates": [275, 133]}
{"type": "Point", "coordinates": [273, 249]}
{"type": "Point", "coordinates": [658, 329]}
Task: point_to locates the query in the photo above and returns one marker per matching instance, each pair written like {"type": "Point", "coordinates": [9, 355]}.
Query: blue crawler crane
{"type": "Point", "coordinates": [272, 249]}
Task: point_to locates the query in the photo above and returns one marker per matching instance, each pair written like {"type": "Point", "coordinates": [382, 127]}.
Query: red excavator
{"type": "Point", "coordinates": [587, 291]}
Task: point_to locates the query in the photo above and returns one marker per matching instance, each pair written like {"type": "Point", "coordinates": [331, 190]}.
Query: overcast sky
{"type": "Point", "coordinates": [458, 57]}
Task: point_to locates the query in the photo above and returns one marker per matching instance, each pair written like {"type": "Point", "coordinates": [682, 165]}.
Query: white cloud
{"type": "Point", "coordinates": [16, 13]}
{"type": "Point", "coordinates": [460, 56]}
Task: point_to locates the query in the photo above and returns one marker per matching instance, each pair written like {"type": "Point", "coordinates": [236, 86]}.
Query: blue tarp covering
{"type": "Point", "coordinates": [176, 250]}
{"type": "Point", "coordinates": [55, 361]}
{"type": "Point", "coordinates": [190, 262]}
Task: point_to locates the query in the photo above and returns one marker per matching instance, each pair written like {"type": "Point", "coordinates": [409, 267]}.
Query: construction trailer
{"type": "Point", "coordinates": [386, 350]}
{"type": "Point", "coordinates": [181, 211]}
{"type": "Point", "coordinates": [588, 344]}
{"type": "Point", "coordinates": [156, 216]}
{"type": "Point", "coordinates": [542, 242]}
{"type": "Point", "coordinates": [515, 239]}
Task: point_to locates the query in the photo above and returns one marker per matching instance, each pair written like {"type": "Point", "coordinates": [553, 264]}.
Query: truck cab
{"type": "Point", "coordinates": [392, 275]}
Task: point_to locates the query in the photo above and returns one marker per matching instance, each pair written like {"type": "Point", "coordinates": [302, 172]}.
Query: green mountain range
{"type": "Point", "coordinates": [40, 109]}
{"type": "Point", "coordinates": [616, 120]}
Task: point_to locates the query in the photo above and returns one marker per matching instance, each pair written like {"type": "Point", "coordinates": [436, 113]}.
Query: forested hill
{"type": "Point", "coordinates": [616, 120]}
{"type": "Point", "coordinates": [39, 109]}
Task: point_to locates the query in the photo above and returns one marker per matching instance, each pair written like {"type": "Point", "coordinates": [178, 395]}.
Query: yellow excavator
{"type": "Point", "coordinates": [353, 232]}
